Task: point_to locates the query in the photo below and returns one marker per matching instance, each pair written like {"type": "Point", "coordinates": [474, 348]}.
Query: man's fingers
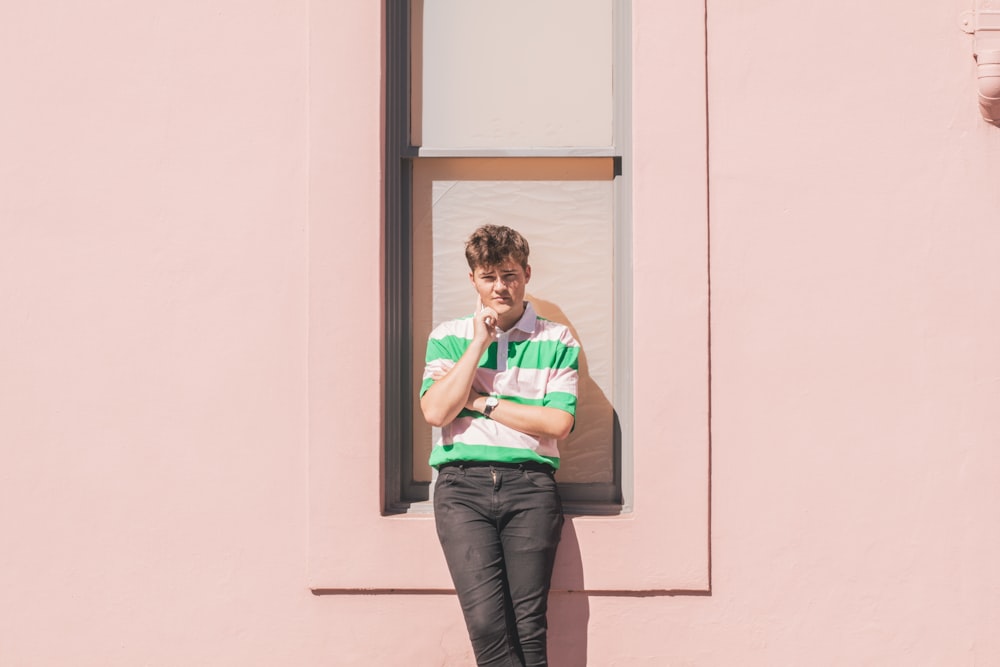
{"type": "Point", "coordinates": [489, 316]}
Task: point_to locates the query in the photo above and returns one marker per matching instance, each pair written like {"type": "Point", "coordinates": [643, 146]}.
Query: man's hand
{"type": "Point", "coordinates": [451, 391]}
{"type": "Point", "coordinates": [470, 403]}
{"type": "Point", "coordinates": [484, 325]}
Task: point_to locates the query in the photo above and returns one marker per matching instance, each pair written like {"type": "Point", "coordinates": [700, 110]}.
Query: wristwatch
{"type": "Point", "coordinates": [491, 403]}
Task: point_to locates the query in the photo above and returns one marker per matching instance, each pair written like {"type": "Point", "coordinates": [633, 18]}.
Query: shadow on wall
{"type": "Point", "coordinates": [569, 604]}
{"type": "Point", "coordinates": [569, 609]}
{"type": "Point", "coordinates": [589, 455]}
{"type": "Point", "coordinates": [592, 453]}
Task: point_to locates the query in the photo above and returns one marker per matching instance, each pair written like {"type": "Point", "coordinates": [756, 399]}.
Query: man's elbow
{"type": "Point", "coordinates": [435, 421]}
{"type": "Point", "coordinates": [565, 427]}
{"type": "Point", "coordinates": [433, 416]}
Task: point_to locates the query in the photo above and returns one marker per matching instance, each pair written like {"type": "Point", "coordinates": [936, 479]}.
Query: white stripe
{"type": "Point", "coordinates": [530, 383]}
{"type": "Point", "coordinates": [562, 379]}
{"type": "Point", "coordinates": [461, 328]}
{"type": "Point", "coordinates": [544, 331]}
{"type": "Point", "coordinates": [487, 432]}
{"type": "Point", "coordinates": [437, 366]}
{"type": "Point", "coordinates": [554, 331]}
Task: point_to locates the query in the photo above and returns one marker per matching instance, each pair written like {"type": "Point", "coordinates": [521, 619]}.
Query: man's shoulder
{"type": "Point", "coordinates": [460, 327]}
{"type": "Point", "coordinates": [546, 329]}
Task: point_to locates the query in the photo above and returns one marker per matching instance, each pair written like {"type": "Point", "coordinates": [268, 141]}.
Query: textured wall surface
{"type": "Point", "coordinates": [154, 364]}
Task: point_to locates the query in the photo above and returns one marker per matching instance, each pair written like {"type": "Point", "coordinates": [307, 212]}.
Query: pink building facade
{"type": "Point", "coordinates": [192, 368]}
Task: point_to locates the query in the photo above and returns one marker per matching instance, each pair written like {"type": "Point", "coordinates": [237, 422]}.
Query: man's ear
{"type": "Point", "coordinates": [527, 273]}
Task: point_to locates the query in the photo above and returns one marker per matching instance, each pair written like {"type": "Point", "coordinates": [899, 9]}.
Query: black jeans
{"type": "Point", "coordinates": [499, 529]}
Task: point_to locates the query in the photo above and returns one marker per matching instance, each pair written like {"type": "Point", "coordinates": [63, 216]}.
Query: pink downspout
{"type": "Point", "coordinates": [988, 71]}
{"type": "Point", "coordinates": [983, 23]}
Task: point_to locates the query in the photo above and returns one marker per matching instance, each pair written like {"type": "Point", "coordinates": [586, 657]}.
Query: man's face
{"type": "Point", "coordinates": [502, 287]}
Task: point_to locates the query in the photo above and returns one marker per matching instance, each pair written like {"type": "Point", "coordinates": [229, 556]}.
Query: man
{"type": "Point", "coordinates": [502, 386]}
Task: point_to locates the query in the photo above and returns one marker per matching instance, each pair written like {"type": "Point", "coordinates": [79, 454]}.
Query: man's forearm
{"type": "Point", "coordinates": [442, 402]}
{"type": "Point", "coordinates": [536, 420]}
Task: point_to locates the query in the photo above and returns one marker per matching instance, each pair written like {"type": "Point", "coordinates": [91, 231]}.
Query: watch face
{"type": "Point", "coordinates": [491, 403]}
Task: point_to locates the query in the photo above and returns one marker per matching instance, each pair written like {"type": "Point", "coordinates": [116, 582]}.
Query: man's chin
{"type": "Point", "coordinates": [503, 307]}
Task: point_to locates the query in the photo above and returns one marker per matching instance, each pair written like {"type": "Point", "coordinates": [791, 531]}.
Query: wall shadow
{"type": "Point", "coordinates": [585, 457]}
{"type": "Point", "coordinates": [569, 605]}
{"type": "Point", "coordinates": [590, 471]}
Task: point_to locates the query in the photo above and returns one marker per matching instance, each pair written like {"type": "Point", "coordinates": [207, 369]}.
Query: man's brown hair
{"type": "Point", "coordinates": [490, 245]}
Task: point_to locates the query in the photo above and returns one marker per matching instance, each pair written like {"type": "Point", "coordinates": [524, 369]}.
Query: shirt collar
{"type": "Point", "coordinates": [527, 321]}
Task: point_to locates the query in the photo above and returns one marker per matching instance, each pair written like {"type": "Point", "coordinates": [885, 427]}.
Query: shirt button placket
{"type": "Point", "coordinates": [502, 350]}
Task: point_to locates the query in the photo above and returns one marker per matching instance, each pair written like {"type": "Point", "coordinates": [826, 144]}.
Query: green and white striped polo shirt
{"type": "Point", "coordinates": [535, 362]}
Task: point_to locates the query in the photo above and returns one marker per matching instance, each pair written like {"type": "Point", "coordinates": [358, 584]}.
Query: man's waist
{"type": "Point", "coordinates": [533, 466]}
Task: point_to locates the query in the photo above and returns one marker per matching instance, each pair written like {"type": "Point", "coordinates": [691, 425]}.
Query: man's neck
{"type": "Point", "coordinates": [507, 322]}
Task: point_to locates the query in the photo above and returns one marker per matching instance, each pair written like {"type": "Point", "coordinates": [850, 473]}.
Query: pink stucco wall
{"type": "Point", "coordinates": [162, 176]}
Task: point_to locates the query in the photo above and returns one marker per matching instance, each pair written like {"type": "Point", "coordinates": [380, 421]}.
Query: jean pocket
{"type": "Point", "coordinates": [447, 478]}
{"type": "Point", "coordinates": [542, 480]}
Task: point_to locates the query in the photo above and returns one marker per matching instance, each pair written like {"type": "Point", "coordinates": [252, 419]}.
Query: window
{"type": "Point", "coordinates": [510, 113]}
{"type": "Point", "coordinates": [667, 529]}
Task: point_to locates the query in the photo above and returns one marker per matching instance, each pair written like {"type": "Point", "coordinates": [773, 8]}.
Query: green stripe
{"type": "Point", "coordinates": [556, 399]}
{"type": "Point", "coordinates": [540, 355]}
{"type": "Point", "coordinates": [463, 452]}
{"type": "Point", "coordinates": [449, 347]}
{"type": "Point", "coordinates": [562, 400]}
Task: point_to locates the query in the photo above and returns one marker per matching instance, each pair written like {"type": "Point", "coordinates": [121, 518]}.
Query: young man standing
{"type": "Point", "coordinates": [502, 385]}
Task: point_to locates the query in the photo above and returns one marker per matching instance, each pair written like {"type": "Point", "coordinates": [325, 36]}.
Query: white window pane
{"type": "Point", "coordinates": [512, 74]}
{"type": "Point", "coordinates": [568, 224]}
